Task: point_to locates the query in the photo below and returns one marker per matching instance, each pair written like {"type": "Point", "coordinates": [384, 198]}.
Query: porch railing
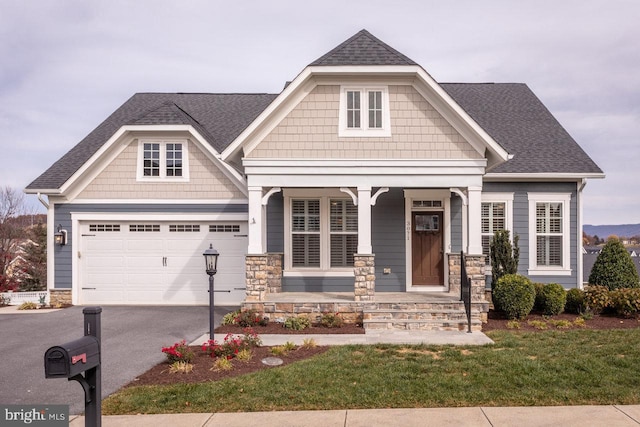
{"type": "Point", "coordinates": [465, 289]}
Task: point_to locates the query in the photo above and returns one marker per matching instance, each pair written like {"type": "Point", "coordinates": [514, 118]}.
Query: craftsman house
{"type": "Point", "coordinates": [360, 183]}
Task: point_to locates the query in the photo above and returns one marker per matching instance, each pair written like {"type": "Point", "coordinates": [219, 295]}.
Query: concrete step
{"type": "Point", "coordinates": [424, 325]}
{"type": "Point", "coordinates": [398, 314]}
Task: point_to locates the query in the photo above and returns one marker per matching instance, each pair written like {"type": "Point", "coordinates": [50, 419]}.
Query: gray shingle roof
{"type": "Point", "coordinates": [519, 122]}
{"type": "Point", "coordinates": [510, 113]}
{"type": "Point", "coordinates": [363, 49]}
{"type": "Point", "coordinates": [220, 118]}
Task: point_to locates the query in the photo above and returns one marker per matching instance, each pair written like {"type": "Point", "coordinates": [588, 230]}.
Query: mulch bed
{"type": "Point", "coordinates": [159, 374]}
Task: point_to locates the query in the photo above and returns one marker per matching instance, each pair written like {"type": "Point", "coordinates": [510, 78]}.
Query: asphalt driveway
{"type": "Point", "coordinates": [132, 338]}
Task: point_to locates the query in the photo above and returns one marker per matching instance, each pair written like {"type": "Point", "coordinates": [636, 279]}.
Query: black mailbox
{"type": "Point", "coordinates": [72, 358]}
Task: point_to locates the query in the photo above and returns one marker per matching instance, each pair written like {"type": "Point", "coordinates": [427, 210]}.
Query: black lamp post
{"type": "Point", "coordinates": [211, 263]}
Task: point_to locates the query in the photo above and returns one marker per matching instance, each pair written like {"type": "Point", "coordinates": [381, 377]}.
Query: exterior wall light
{"type": "Point", "coordinates": [60, 237]}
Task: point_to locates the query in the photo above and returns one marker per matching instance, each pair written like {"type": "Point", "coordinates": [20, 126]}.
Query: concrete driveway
{"type": "Point", "coordinates": [132, 339]}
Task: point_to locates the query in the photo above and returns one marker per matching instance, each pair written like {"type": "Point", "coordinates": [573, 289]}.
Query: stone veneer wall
{"type": "Point", "coordinates": [475, 272]}
{"type": "Point", "coordinates": [59, 297]}
{"type": "Point", "coordinates": [263, 275]}
{"type": "Point", "coordinates": [365, 277]}
{"type": "Point", "coordinates": [274, 273]}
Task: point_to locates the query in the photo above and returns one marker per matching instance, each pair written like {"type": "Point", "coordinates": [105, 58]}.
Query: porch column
{"type": "Point", "coordinates": [474, 220]}
{"type": "Point", "coordinates": [364, 220]}
{"type": "Point", "coordinates": [256, 217]}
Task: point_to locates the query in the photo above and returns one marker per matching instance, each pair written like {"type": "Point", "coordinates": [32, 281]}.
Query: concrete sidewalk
{"type": "Point", "coordinates": [373, 337]}
{"type": "Point", "coordinates": [610, 416]}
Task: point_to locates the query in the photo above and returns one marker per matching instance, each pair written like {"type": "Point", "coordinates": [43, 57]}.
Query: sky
{"type": "Point", "coordinates": [67, 64]}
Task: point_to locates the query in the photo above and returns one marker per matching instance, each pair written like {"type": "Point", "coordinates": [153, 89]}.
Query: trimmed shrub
{"type": "Point", "coordinates": [504, 256]}
{"type": "Point", "coordinates": [626, 301]}
{"type": "Point", "coordinates": [538, 304]}
{"type": "Point", "coordinates": [297, 323]}
{"type": "Point", "coordinates": [553, 298]}
{"type": "Point", "coordinates": [597, 298]}
{"type": "Point", "coordinates": [514, 295]}
{"type": "Point", "coordinates": [575, 301]}
{"type": "Point", "coordinates": [249, 318]}
{"type": "Point", "coordinates": [614, 267]}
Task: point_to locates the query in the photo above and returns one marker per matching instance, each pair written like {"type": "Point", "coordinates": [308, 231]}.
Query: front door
{"type": "Point", "coordinates": [427, 249]}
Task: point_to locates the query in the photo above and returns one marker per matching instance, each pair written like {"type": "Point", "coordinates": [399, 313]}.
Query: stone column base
{"type": "Point", "coordinates": [256, 277]}
{"type": "Point", "coordinates": [365, 277]}
{"type": "Point", "coordinates": [58, 297]}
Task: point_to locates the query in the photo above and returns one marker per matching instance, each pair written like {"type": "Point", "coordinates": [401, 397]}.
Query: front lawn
{"type": "Point", "coordinates": [575, 367]}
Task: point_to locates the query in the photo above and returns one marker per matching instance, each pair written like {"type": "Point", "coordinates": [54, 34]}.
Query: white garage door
{"type": "Point", "coordinates": [160, 262]}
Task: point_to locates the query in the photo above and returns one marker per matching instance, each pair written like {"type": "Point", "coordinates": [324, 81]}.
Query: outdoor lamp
{"type": "Point", "coordinates": [211, 263]}
{"type": "Point", "coordinates": [60, 237]}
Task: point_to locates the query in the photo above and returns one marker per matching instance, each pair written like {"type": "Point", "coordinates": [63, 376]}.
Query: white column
{"type": "Point", "coordinates": [364, 220]}
{"type": "Point", "coordinates": [256, 221]}
{"type": "Point", "coordinates": [474, 195]}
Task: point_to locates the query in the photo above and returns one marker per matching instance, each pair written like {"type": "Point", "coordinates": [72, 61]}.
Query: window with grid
{"type": "Point", "coordinates": [493, 218]}
{"type": "Point", "coordinates": [305, 233]}
{"type": "Point", "coordinates": [343, 232]}
{"type": "Point", "coordinates": [174, 159]}
{"type": "Point", "coordinates": [184, 228]}
{"type": "Point", "coordinates": [151, 155]}
{"type": "Point", "coordinates": [549, 234]}
{"type": "Point", "coordinates": [375, 109]}
{"type": "Point", "coordinates": [353, 109]}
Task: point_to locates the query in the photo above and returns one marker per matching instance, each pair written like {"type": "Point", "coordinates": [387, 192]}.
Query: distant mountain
{"type": "Point", "coordinates": [604, 231]}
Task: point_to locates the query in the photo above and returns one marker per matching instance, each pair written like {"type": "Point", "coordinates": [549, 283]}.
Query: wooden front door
{"type": "Point", "coordinates": [427, 249]}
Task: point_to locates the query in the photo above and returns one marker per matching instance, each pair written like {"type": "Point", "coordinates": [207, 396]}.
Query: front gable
{"type": "Point", "coordinates": [417, 130]}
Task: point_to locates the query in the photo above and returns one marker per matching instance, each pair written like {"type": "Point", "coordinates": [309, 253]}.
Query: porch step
{"type": "Point", "coordinates": [435, 317]}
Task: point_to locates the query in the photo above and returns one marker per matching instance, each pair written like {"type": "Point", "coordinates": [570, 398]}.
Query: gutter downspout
{"type": "Point", "coordinates": [45, 204]}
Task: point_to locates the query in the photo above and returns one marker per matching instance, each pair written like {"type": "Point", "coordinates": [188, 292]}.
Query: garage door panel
{"type": "Point", "coordinates": [163, 267]}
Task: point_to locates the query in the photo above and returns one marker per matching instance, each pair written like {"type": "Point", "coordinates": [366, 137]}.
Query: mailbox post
{"type": "Point", "coordinates": [71, 359]}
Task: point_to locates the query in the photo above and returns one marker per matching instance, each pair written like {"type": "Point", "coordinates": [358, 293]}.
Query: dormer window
{"type": "Point", "coordinates": [364, 111]}
{"type": "Point", "coordinates": [163, 160]}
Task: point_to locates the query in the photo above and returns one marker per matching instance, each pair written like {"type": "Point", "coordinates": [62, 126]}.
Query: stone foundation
{"type": "Point", "coordinates": [59, 297]}
{"type": "Point", "coordinates": [475, 271]}
{"type": "Point", "coordinates": [274, 273]}
{"type": "Point", "coordinates": [256, 277]}
{"type": "Point", "coordinates": [281, 311]}
{"type": "Point", "coordinates": [364, 269]}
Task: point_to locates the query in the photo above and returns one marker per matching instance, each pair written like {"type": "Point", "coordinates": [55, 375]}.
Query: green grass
{"type": "Point", "coordinates": [576, 367]}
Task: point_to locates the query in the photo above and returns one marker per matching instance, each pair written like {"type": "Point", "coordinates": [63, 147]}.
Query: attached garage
{"type": "Point", "coordinates": [141, 262]}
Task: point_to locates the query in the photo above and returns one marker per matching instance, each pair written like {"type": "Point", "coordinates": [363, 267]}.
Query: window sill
{"type": "Point", "coordinates": [161, 179]}
{"type": "Point", "coordinates": [364, 133]}
{"type": "Point", "coordinates": [318, 273]}
{"type": "Point", "coordinates": [550, 272]}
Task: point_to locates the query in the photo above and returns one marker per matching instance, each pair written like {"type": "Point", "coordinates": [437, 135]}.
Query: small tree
{"type": "Point", "coordinates": [36, 259]}
{"type": "Point", "coordinates": [614, 267]}
{"type": "Point", "coordinates": [504, 256]}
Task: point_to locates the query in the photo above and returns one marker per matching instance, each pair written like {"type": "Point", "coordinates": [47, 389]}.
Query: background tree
{"type": "Point", "coordinates": [11, 206]}
{"type": "Point", "coordinates": [35, 272]}
{"type": "Point", "coordinates": [614, 267]}
{"type": "Point", "coordinates": [504, 256]}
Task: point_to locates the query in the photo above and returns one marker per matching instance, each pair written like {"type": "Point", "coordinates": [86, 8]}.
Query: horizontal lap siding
{"type": "Point", "coordinates": [521, 224]}
{"type": "Point", "coordinates": [387, 223]}
{"type": "Point", "coordinates": [62, 216]}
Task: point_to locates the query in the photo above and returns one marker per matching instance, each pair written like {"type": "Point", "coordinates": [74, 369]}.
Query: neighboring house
{"type": "Point", "coordinates": [363, 154]}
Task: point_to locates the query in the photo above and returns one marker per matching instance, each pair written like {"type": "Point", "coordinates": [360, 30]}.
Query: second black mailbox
{"type": "Point", "coordinates": [72, 358]}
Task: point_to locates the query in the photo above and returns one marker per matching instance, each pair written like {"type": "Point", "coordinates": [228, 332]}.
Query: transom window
{"type": "Point", "coordinates": [322, 233]}
{"type": "Point", "coordinates": [104, 227]}
{"type": "Point", "coordinates": [364, 111]}
{"type": "Point", "coordinates": [163, 160]}
{"type": "Point", "coordinates": [184, 228]}
{"type": "Point", "coordinates": [549, 240]}
{"type": "Point", "coordinates": [144, 228]}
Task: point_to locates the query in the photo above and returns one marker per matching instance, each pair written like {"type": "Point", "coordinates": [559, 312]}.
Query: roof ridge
{"type": "Point", "coordinates": [370, 55]}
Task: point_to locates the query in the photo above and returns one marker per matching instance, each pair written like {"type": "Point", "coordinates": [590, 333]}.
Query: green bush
{"type": "Point", "coordinates": [297, 323]}
{"type": "Point", "coordinates": [331, 320]}
{"type": "Point", "coordinates": [575, 301]}
{"type": "Point", "coordinates": [504, 256]}
{"type": "Point", "coordinates": [230, 317]}
{"type": "Point", "coordinates": [614, 267]}
{"type": "Point", "coordinates": [597, 298]}
{"type": "Point", "coordinates": [553, 299]}
{"type": "Point", "coordinates": [626, 301]}
{"type": "Point", "coordinates": [514, 295]}
{"type": "Point", "coordinates": [538, 303]}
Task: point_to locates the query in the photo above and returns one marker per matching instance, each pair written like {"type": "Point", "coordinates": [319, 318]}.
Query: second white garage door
{"type": "Point", "coordinates": [160, 262]}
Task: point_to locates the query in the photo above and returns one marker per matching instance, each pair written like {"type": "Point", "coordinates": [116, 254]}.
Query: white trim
{"type": "Point", "coordinates": [162, 142]}
{"type": "Point", "coordinates": [318, 273]}
{"type": "Point", "coordinates": [507, 198]}
{"type": "Point", "coordinates": [565, 199]}
{"type": "Point", "coordinates": [445, 197]}
{"type": "Point", "coordinates": [51, 255]}
{"type": "Point", "coordinates": [378, 193]}
{"type": "Point", "coordinates": [348, 191]}
{"type": "Point", "coordinates": [579, 259]}
{"type": "Point", "coordinates": [547, 176]}
{"type": "Point", "coordinates": [161, 201]}
{"type": "Point", "coordinates": [271, 192]}
{"type": "Point", "coordinates": [364, 130]}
